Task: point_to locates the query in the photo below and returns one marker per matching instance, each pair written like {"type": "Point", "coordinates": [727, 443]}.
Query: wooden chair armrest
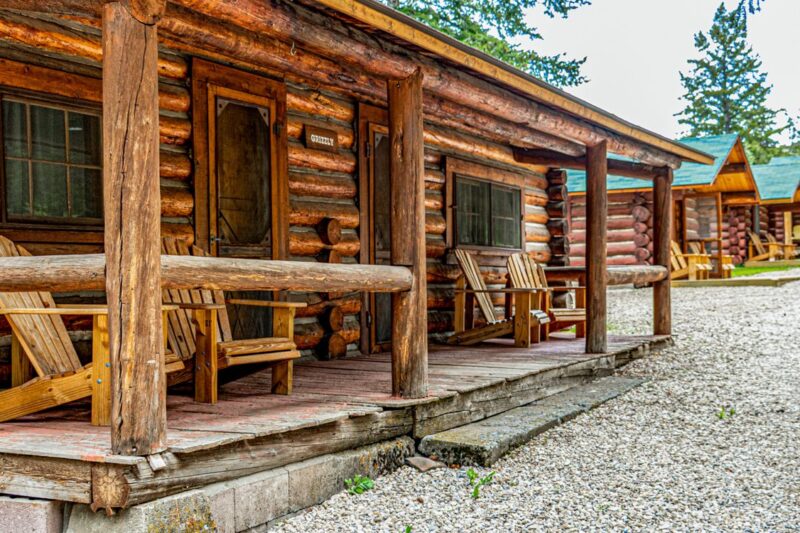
{"type": "Point", "coordinates": [189, 305]}
{"type": "Point", "coordinates": [506, 290]}
{"type": "Point", "coordinates": [266, 303]}
{"type": "Point", "coordinates": [562, 289]}
{"type": "Point", "coordinates": [67, 309]}
{"type": "Point", "coordinates": [55, 311]}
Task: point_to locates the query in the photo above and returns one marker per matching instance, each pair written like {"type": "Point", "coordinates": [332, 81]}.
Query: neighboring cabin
{"type": "Point", "coordinates": [712, 204]}
{"type": "Point", "coordinates": [779, 187]}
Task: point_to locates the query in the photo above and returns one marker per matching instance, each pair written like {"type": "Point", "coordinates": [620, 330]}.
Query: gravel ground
{"type": "Point", "coordinates": [657, 459]}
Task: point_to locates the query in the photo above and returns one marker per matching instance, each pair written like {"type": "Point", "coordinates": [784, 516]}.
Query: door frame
{"type": "Point", "coordinates": [210, 80]}
{"type": "Point", "coordinates": [371, 119]}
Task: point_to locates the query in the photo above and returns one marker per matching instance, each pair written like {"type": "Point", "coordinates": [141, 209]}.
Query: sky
{"type": "Point", "coordinates": [635, 50]}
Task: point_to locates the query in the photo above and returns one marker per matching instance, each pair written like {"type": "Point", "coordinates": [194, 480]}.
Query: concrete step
{"type": "Point", "coordinates": [484, 442]}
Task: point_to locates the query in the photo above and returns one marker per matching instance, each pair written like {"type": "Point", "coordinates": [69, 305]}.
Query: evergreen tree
{"type": "Point", "coordinates": [491, 26]}
{"type": "Point", "coordinates": [726, 90]}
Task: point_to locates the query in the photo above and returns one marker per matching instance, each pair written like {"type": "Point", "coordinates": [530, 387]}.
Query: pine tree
{"type": "Point", "coordinates": [726, 90]}
{"type": "Point", "coordinates": [492, 26]}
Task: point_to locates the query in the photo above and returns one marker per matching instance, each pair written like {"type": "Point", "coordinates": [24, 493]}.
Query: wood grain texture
{"type": "Point", "coordinates": [662, 234]}
{"type": "Point", "coordinates": [132, 219]}
{"type": "Point", "coordinates": [597, 203]}
{"type": "Point", "coordinates": [407, 174]}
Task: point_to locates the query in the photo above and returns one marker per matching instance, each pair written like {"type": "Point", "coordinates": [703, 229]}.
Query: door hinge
{"type": "Point", "coordinates": [277, 128]}
{"type": "Point", "coordinates": [367, 149]}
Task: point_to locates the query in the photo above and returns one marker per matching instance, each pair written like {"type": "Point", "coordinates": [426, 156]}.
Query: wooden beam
{"type": "Point", "coordinates": [616, 167]}
{"type": "Point", "coordinates": [733, 168]}
{"type": "Point", "coordinates": [407, 171]}
{"type": "Point", "coordinates": [596, 216]}
{"type": "Point", "coordinates": [70, 273]}
{"type": "Point", "coordinates": [739, 198]}
{"type": "Point", "coordinates": [132, 225]}
{"type": "Point", "coordinates": [662, 234]}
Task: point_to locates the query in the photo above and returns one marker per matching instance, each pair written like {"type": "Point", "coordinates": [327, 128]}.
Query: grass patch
{"type": "Point", "coordinates": [750, 271]}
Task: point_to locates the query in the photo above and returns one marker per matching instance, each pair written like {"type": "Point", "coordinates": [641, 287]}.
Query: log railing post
{"type": "Point", "coordinates": [596, 238]}
{"type": "Point", "coordinates": [662, 233]}
{"type": "Point", "coordinates": [407, 171]}
{"type": "Point", "coordinates": [132, 226]}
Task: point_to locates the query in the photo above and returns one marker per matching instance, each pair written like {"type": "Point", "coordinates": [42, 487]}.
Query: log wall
{"type": "Point", "coordinates": [630, 229]}
{"type": "Point", "coordinates": [62, 57]}
{"type": "Point", "coordinates": [737, 220]}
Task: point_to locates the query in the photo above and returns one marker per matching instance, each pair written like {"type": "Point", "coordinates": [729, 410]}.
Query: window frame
{"type": "Point", "coordinates": [495, 176]}
{"type": "Point", "coordinates": [62, 104]}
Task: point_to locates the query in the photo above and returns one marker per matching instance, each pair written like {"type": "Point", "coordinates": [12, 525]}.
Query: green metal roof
{"type": "Point", "coordinates": [690, 174]}
{"type": "Point", "coordinates": [779, 179]}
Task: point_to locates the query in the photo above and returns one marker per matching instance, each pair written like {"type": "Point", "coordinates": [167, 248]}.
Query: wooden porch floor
{"type": "Point", "coordinates": [335, 405]}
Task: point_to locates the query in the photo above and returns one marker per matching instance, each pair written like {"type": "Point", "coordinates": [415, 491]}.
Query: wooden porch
{"type": "Point", "coordinates": [336, 405]}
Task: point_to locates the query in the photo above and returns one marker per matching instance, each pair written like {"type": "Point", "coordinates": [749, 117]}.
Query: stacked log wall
{"type": "Point", "coordinates": [629, 226]}
{"type": "Point", "coordinates": [737, 220]}
{"type": "Point", "coordinates": [323, 186]}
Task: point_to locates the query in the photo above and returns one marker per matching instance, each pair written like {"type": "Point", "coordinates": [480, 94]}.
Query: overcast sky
{"type": "Point", "coordinates": [635, 49]}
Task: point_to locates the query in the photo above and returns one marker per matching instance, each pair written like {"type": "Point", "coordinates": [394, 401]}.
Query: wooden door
{"type": "Point", "coordinates": [241, 158]}
{"type": "Point", "coordinates": [241, 187]}
{"type": "Point", "coordinates": [375, 201]}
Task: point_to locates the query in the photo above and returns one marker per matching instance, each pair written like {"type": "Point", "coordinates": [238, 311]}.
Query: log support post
{"type": "Point", "coordinates": [132, 226]}
{"type": "Point", "coordinates": [596, 239]}
{"type": "Point", "coordinates": [407, 171]}
{"type": "Point", "coordinates": [662, 233]}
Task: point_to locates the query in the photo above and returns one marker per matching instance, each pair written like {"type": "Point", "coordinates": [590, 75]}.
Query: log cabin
{"type": "Point", "coordinates": [779, 189]}
{"type": "Point", "coordinates": [332, 153]}
{"type": "Point", "coordinates": [712, 204]}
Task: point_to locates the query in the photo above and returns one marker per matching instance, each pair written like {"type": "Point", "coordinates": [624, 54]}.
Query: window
{"type": "Point", "coordinates": [51, 163]}
{"type": "Point", "coordinates": [487, 213]}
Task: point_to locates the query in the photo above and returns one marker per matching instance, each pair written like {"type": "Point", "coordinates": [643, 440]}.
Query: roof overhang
{"type": "Point", "coordinates": [414, 32]}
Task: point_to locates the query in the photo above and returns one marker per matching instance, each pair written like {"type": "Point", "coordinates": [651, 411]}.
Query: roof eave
{"type": "Point", "coordinates": [401, 26]}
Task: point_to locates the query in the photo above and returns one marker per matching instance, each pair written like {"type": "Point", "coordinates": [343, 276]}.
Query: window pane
{"type": "Point", "coordinates": [17, 195]}
{"type": "Point", "coordinates": [15, 129]}
{"type": "Point", "coordinates": [243, 174]}
{"type": "Point", "coordinates": [85, 188]}
{"type": "Point", "coordinates": [49, 190]}
{"type": "Point", "coordinates": [472, 209]}
{"type": "Point", "coordinates": [84, 139]}
{"type": "Point", "coordinates": [505, 217]}
{"type": "Point", "coordinates": [48, 139]}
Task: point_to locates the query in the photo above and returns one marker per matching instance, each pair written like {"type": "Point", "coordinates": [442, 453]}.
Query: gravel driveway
{"type": "Point", "coordinates": [711, 442]}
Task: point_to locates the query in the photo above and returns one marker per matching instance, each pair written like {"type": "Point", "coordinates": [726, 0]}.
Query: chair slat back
{"type": "Point", "coordinates": [525, 273]}
{"type": "Point", "coordinates": [695, 248]}
{"type": "Point", "coordinates": [677, 259]}
{"type": "Point", "coordinates": [180, 324]}
{"type": "Point", "coordinates": [472, 273]}
{"type": "Point", "coordinates": [43, 337]}
{"type": "Point", "coordinates": [756, 240]}
{"type": "Point", "coordinates": [771, 239]}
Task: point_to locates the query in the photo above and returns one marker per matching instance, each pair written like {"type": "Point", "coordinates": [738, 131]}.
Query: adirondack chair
{"type": "Point", "coordinates": [788, 250]}
{"type": "Point", "coordinates": [524, 272]}
{"type": "Point", "coordinates": [201, 330]}
{"type": "Point", "coordinates": [704, 264]}
{"type": "Point", "coordinates": [726, 261]}
{"type": "Point", "coordinates": [45, 369]}
{"type": "Point", "coordinates": [525, 324]}
{"type": "Point", "coordinates": [685, 265]}
{"type": "Point", "coordinates": [759, 252]}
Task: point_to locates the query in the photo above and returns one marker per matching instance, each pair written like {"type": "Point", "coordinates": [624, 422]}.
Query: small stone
{"type": "Point", "coordinates": [423, 464]}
